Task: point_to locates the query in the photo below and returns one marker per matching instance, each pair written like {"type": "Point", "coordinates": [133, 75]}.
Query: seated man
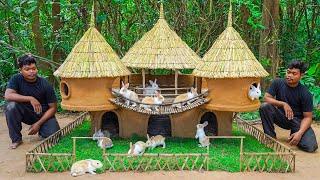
{"type": "Point", "coordinates": [288, 104]}
{"type": "Point", "coordinates": [31, 100]}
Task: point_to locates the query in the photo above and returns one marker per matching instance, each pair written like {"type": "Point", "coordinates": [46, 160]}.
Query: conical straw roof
{"type": "Point", "coordinates": [92, 57]}
{"type": "Point", "coordinates": [161, 48]}
{"type": "Point", "coordinates": [229, 57]}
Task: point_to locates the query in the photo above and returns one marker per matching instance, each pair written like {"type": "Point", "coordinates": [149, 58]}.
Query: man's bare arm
{"type": "Point", "coordinates": [47, 115]}
{"type": "Point", "coordinates": [268, 98]}
{"type": "Point", "coordinates": [12, 95]}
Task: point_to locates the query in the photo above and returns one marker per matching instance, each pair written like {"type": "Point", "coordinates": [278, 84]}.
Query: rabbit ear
{"type": "Point", "coordinates": [148, 136]}
{"type": "Point", "coordinates": [122, 83]}
{"type": "Point", "coordinates": [155, 80]}
{"type": "Point", "coordinates": [130, 144]}
{"type": "Point", "coordinates": [205, 124]}
{"type": "Point", "coordinates": [151, 82]}
{"type": "Point", "coordinates": [127, 85]}
{"type": "Point", "coordinates": [258, 86]}
{"type": "Point", "coordinates": [252, 86]}
{"type": "Point", "coordinates": [193, 90]}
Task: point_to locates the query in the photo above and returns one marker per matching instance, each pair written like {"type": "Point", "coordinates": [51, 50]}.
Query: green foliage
{"type": "Point", "coordinates": [250, 116]}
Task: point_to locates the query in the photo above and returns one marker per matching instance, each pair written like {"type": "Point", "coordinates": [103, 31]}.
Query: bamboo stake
{"type": "Point", "coordinates": [176, 80]}
{"type": "Point", "coordinates": [143, 78]}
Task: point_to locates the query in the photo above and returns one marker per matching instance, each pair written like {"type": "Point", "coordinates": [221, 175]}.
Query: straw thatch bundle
{"type": "Point", "coordinates": [229, 57]}
{"type": "Point", "coordinates": [161, 48]}
{"type": "Point", "coordinates": [92, 57]}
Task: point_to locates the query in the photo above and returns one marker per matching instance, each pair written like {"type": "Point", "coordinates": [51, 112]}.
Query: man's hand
{"type": "Point", "coordinates": [288, 111]}
{"type": "Point", "coordinates": [34, 129]}
{"type": "Point", "coordinates": [295, 138]}
{"type": "Point", "coordinates": [36, 105]}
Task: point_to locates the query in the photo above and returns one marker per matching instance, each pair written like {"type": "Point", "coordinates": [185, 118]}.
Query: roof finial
{"type": "Point", "coordinates": [161, 11]}
{"type": "Point", "coordinates": [92, 24]}
{"type": "Point", "coordinates": [230, 16]}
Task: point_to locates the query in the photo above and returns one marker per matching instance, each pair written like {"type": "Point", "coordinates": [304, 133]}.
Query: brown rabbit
{"type": "Point", "coordinates": [155, 141]}
{"type": "Point", "coordinates": [137, 148]}
{"type": "Point", "coordinates": [82, 167]}
{"type": "Point", "coordinates": [105, 143]}
{"type": "Point", "coordinates": [185, 97]}
{"type": "Point", "coordinates": [152, 100]}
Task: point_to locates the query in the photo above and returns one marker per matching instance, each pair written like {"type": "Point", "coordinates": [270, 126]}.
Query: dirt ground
{"type": "Point", "coordinates": [12, 162]}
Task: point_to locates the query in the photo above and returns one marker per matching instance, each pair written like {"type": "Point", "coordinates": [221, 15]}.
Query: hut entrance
{"type": "Point", "coordinates": [159, 125]}
{"type": "Point", "coordinates": [212, 128]}
{"type": "Point", "coordinates": [110, 123]}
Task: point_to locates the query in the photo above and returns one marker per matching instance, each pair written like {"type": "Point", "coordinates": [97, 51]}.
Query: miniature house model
{"type": "Point", "coordinates": [91, 75]}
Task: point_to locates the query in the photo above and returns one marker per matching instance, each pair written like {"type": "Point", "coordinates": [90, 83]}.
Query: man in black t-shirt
{"type": "Point", "coordinates": [31, 100]}
{"type": "Point", "coordinates": [288, 104]}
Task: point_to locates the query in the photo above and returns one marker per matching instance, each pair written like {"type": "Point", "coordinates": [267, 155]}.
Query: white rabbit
{"type": "Point", "coordinates": [155, 141]}
{"type": "Point", "coordinates": [185, 97]}
{"type": "Point", "coordinates": [125, 92]}
{"type": "Point", "coordinates": [82, 167]}
{"type": "Point", "coordinates": [158, 99]}
{"type": "Point", "coordinates": [152, 88]}
{"type": "Point", "coordinates": [203, 139]}
{"type": "Point", "coordinates": [137, 148]}
{"type": "Point", "coordinates": [100, 133]}
{"type": "Point", "coordinates": [254, 92]}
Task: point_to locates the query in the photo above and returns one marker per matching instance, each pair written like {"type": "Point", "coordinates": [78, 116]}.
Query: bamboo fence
{"type": "Point", "coordinates": [282, 160]}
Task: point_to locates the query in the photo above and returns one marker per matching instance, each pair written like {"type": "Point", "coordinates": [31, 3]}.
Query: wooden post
{"type": "Point", "coordinates": [74, 150]}
{"type": "Point", "coordinates": [176, 80]}
{"type": "Point", "coordinates": [241, 153]}
{"type": "Point", "coordinates": [143, 78]}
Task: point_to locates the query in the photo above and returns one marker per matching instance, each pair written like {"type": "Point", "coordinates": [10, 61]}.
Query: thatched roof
{"type": "Point", "coordinates": [92, 57]}
{"type": "Point", "coordinates": [230, 57]}
{"type": "Point", "coordinates": [161, 48]}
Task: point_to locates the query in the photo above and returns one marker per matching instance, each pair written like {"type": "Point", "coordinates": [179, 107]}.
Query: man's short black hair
{"type": "Point", "coordinates": [297, 64]}
{"type": "Point", "coordinates": [26, 59]}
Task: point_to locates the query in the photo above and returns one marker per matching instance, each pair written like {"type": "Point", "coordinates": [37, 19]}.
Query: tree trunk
{"type": "Point", "coordinates": [38, 38]}
{"type": "Point", "coordinates": [56, 25]}
{"type": "Point", "coordinates": [269, 36]}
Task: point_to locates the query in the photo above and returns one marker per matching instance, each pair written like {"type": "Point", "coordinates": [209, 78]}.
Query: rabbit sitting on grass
{"type": "Point", "coordinates": [201, 135]}
{"type": "Point", "coordinates": [137, 148]}
{"type": "Point", "coordinates": [155, 141]}
{"type": "Point", "coordinates": [85, 166]}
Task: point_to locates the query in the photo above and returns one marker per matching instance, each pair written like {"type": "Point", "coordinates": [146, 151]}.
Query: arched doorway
{"type": "Point", "coordinates": [212, 128]}
{"type": "Point", "coordinates": [159, 125]}
{"type": "Point", "coordinates": [110, 123]}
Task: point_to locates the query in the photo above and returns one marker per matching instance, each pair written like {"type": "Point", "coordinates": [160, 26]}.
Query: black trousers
{"type": "Point", "coordinates": [16, 113]}
{"type": "Point", "coordinates": [270, 114]}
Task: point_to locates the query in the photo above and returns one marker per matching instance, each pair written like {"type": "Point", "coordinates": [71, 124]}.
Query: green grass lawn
{"type": "Point", "coordinates": [224, 153]}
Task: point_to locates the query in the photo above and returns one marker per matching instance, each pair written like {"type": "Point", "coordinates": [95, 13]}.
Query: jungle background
{"type": "Point", "coordinates": [277, 31]}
